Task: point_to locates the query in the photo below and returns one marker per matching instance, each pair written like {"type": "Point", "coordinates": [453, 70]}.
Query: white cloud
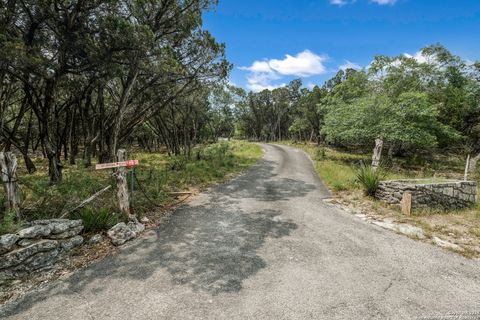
{"type": "Point", "coordinates": [257, 87]}
{"type": "Point", "coordinates": [420, 57]}
{"type": "Point", "coordinates": [339, 2]}
{"type": "Point", "coordinates": [350, 65]}
{"type": "Point", "coordinates": [304, 64]}
{"type": "Point", "coordinates": [384, 2]}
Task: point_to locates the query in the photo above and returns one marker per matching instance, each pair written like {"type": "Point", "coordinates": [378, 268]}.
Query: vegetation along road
{"type": "Point", "coordinates": [264, 246]}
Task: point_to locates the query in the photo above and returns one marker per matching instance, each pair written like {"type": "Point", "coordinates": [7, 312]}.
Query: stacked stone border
{"type": "Point", "coordinates": [445, 195]}
{"type": "Point", "coordinates": [38, 246]}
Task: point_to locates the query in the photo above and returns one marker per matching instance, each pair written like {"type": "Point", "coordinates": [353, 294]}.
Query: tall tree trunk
{"type": "Point", "coordinates": [54, 165]}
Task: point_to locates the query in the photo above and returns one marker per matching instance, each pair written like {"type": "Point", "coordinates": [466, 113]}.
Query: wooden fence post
{"type": "Point", "coordinates": [8, 168]}
{"type": "Point", "coordinates": [406, 203]}
{"type": "Point", "coordinates": [377, 153]}
{"type": "Point", "coordinates": [467, 167]}
{"type": "Point", "coordinates": [122, 184]}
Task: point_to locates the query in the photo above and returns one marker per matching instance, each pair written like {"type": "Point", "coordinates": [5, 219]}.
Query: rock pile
{"type": "Point", "coordinates": [122, 232]}
{"type": "Point", "coordinates": [38, 246]}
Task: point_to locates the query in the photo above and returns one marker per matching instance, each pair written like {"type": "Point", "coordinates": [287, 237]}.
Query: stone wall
{"type": "Point", "coordinates": [38, 246]}
{"type": "Point", "coordinates": [446, 195]}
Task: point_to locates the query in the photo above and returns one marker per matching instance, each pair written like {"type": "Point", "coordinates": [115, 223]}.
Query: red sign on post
{"type": "Point", "coordinates": [128, 164]}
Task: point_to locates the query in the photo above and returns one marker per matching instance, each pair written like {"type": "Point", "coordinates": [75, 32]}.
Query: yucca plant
{"type": "Point", "coordinates": [369, 178]}
{"type": "Point", "coordinates": [96, 220]}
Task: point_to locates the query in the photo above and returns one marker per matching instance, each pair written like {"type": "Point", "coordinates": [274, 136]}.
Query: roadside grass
{"type": "Point", "coordinates": [338, 170]}
{"type": "Point", "coordinates": [157, 175]}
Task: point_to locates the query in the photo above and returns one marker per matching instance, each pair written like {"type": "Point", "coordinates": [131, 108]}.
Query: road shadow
{"type": "Point", "coordinates": [262, 183]}
{"type": "Point", "coordinates": [212, 247]}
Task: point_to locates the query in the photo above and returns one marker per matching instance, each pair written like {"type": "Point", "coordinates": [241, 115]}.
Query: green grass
{"type": "Point", "coordinates": [338, 168]}
{"type": "Point", "coordinates": [97, 219]}
{"type": "Point", "coordinates": [156, 176]}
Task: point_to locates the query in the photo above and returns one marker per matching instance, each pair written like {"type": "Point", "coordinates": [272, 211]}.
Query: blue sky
{"type": "Point", "coordinates": [271, 42]}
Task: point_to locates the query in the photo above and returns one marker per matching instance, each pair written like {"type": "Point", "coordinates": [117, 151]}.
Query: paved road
{"type": "Point", "coordinates": [264, 246]}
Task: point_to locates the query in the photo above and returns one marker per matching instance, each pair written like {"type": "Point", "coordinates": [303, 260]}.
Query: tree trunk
{"type": "Point", "coordinates": [377, 154]}
{"type": "Point", "coordinates": [8, 168]}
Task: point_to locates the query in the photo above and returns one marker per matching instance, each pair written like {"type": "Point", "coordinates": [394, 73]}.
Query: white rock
{"type": "Point", "coordinates": [67, 234]}
{"type": "Point", "coordinates": [445, 244]}
{"type": "Point", "coordinates": [35, 231]}
{"type": "Point", "coordinates": [121, 233]}
{"type": "Point", "coordinates": [136, 226]}
{"type": "Point", "coordinates": [71, 243]}
{"type": "Point", "coordinates": [96, 239]}
{"type": "Point", "coordinates": [411, 231]}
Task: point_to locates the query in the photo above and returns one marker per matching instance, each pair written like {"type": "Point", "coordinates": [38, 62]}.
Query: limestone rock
{"type": "Point", "coordinates": [16, 257]}
{"type": "Point", "coordinates": [96, 239]}
{"type": "Point", "coordinates": [411, 231]}
{"type": "Point", "coordinates": [27, 242]}
{"type": "Point", "coordinates": [58, 225]}
{"type": "Point", "coordinates": [7, 241]}
{"type": "Point", "coordinates": [71, 243]}
{"type": "Point", "coordinates": [136, 226]}
{"type": "Point", "coordinates": [35, 231]}
{"type": "Point", "coordinates": [445, 244]}
{"type": "Point", "coordinates": [39, 261]}
{"type": "Point", "coordinates": [121, 233]}
{"type": "Point", "coordinates": [67, 234]}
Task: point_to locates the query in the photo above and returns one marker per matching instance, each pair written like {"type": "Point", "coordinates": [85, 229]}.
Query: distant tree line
{"type": "Point", "coordinates": [427, 102]}
{"type": "Point", "coordinates": [79, 79]}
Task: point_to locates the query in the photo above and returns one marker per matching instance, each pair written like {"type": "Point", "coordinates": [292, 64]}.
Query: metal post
{"type": "Point", "coordinates": [132, 174]}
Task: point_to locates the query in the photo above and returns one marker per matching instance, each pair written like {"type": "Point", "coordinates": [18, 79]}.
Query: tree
{"type": "Point", "coordinates": [409, 121]}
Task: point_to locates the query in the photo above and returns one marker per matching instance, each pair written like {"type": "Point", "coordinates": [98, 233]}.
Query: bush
{"type": "Point", "coordinates": [217, 151]}
{"type": "Point", "coordinates": [368, 178]}
{"type": "Point", "coordinates": [96, 220]}
{"type": "Point", "coordinates": [320, 154]}
{"type": "Point", "coordinates": [178, 163]}
{"type": "Point", "coordinates": [8, 224]}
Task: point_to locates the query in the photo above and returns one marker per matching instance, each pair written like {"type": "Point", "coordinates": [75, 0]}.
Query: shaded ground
{"type": "Point", "coordinates": [264, 246]}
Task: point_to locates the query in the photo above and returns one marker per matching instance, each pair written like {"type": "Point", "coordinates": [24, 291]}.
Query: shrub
{"type": "Point", "coordinates": [178, 163]}
{"type": "Point", "coordinates": [8, 224]}
{"type": "Point", "coordinates": [320, 154]}
{"type": "Point", "coordinates": [368, 178]}
{"type": "Point", "coordinates": [96, 220]}
{"type": "Point", "coordinates": [217, 151]}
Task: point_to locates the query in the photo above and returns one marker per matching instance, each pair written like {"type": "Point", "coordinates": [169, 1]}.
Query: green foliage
{"type": "Point", "coordinates": [9, 224]}
{"type": "Point", "coordinates": [320, 153]}
{"type": "Point", "coordinates": [217, 151]}
{"type": "Point", "coordinates": [97, 219]}
{"type": "Point", "coordinates": [409, 120]}
{"type": "Point", "coordinates": [44, 201]}
{"type": "Point", "coordinates": [368, 178]}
